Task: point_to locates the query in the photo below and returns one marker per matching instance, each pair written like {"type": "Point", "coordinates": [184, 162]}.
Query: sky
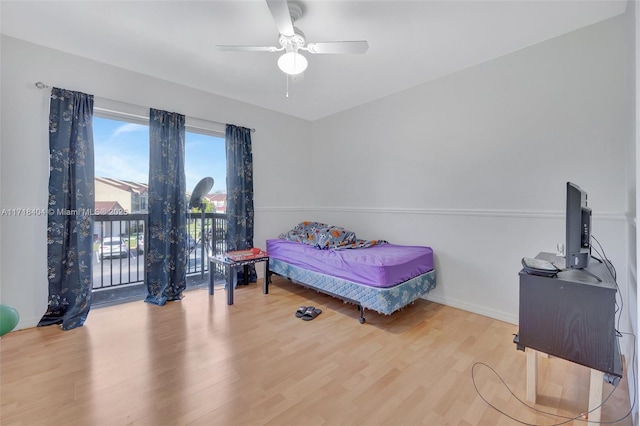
{"type": "Point", "coordinates": [121, 151]}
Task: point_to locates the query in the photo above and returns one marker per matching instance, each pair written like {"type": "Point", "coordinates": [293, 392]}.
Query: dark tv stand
{"type": "Point", "coordinates": [586, 271]}
{"type": "Point", "coordinates": [571, 316]}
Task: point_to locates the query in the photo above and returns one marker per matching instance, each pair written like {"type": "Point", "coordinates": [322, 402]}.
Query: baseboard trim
{"type": "Point", "coordinates": [476, 309]}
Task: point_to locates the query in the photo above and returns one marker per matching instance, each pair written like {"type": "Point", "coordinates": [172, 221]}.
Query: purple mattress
{"type": "Point", "coordinates": [379, 266]}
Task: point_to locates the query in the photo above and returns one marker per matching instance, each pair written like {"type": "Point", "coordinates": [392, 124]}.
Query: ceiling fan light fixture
{"type": "Point", "coordinates": [292, 63]}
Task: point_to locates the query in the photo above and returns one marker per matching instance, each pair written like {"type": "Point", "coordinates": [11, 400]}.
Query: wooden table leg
{"type": "Point", "coordinates": [596, 384]}
{"type": "Point", "coordinates": [532, 375]}
{"type": "Point", "coordinates": [211, 267]}
{"type": "Point", "coordinates": [265, 281]}
{"type": "Point", "coordinates": [231, 284]}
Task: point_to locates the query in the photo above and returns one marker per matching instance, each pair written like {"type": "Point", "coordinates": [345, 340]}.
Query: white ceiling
{"type": "Point", "coordinates": [410, 42]}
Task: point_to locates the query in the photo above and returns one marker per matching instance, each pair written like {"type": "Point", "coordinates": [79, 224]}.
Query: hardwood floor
{"type": "Point", "coordinates": [201, 362]}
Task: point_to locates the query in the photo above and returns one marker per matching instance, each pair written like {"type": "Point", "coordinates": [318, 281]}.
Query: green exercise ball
{"type": "Point", "coordinates": [8, 319]}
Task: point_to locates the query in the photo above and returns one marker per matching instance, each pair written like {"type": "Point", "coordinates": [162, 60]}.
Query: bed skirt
{"type": "Point", "coordinates": [382, 300]}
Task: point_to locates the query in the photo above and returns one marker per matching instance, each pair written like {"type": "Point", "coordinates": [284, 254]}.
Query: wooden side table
{"type": "Point", "coordinates": [231, 267]}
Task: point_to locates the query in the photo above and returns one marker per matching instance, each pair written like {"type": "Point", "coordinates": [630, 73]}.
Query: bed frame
{"type": "Point", "coordinates": [383, 300]}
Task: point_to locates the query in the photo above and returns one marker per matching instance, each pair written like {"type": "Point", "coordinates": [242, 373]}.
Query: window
{"type": "Point", "coordinates": [121, 158]}
{"type": "Point", "coordinates": [205, 156]}
{"type": "Point", "coordinates": [121, 151]}
{"type": "Point", "coordinates": [122, 163]}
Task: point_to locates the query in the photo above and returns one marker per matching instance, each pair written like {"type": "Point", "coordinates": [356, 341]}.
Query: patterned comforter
{"type": "Point", "coordinates": [323, 236]}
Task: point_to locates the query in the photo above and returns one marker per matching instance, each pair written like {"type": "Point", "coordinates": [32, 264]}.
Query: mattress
{"type": "Point", "coordinates": [380, 266]}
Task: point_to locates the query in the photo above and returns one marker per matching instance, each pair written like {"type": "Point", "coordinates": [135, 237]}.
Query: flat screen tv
{"type": "Point", "coordinates": [578, 223]}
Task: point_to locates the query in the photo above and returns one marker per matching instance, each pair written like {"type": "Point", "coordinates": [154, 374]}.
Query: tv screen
{"type": "Point", "coordinates": [578, 224]}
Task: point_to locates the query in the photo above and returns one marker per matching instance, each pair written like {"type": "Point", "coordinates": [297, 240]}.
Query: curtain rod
{"type": "Point", "coordinates": [41, 85]}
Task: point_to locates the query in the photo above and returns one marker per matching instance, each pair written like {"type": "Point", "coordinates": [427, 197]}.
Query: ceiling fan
{"type": "Point", "coordinates": [292, 40]}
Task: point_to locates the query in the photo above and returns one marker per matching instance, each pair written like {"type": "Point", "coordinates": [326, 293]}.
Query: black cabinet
{"type": "Point", "coordinates": [571, 316]}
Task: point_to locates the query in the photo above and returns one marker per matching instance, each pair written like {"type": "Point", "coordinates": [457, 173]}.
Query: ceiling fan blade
{"type": "Point", "coordinates": [231, 48]}
{"type": "Point", "coordinates": [282, 17]}
{"type": "Point", "coordinates": [338, 47]}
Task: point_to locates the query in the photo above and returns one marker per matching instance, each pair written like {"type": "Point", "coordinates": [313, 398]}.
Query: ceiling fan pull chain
{"type": "Point", "coordinates": [287, 94]}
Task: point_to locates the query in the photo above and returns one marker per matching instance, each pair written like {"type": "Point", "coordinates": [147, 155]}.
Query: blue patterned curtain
{"type": "Point", "coordinates": [71, 204]}
{"type": "Point", "coordinates": [166, 272]}
{"type": "Point", "coordinates": [239, 190]}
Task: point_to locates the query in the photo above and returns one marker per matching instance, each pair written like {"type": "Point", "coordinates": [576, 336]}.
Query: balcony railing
{"type": "Point", "coordinates": [202, 244]}
{"type": "Point", "coordinates": [113, 266]}
{"type": "Point", "coordinates": [120, 243]}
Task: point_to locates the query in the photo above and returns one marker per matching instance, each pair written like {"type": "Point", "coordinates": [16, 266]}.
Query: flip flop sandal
{"type": "Point", "coordinates": [301, 310]}
{"type": "Point", "coordinates": [311, 313]}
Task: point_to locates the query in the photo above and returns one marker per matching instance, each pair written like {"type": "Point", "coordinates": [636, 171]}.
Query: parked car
{"type": "Point", "coordinates": [113, 247]}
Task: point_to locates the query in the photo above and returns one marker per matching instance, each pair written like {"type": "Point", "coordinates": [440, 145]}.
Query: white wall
{"type": "Point", "coordinates": [634, 200]}
{"type": "Point", "coordinates": [24, 169]}
{"type": "Point", "coordinates": [475, 164]}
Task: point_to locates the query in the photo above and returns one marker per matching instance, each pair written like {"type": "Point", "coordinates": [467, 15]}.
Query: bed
{"type": "Point", "coordinates": [382, 277]}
